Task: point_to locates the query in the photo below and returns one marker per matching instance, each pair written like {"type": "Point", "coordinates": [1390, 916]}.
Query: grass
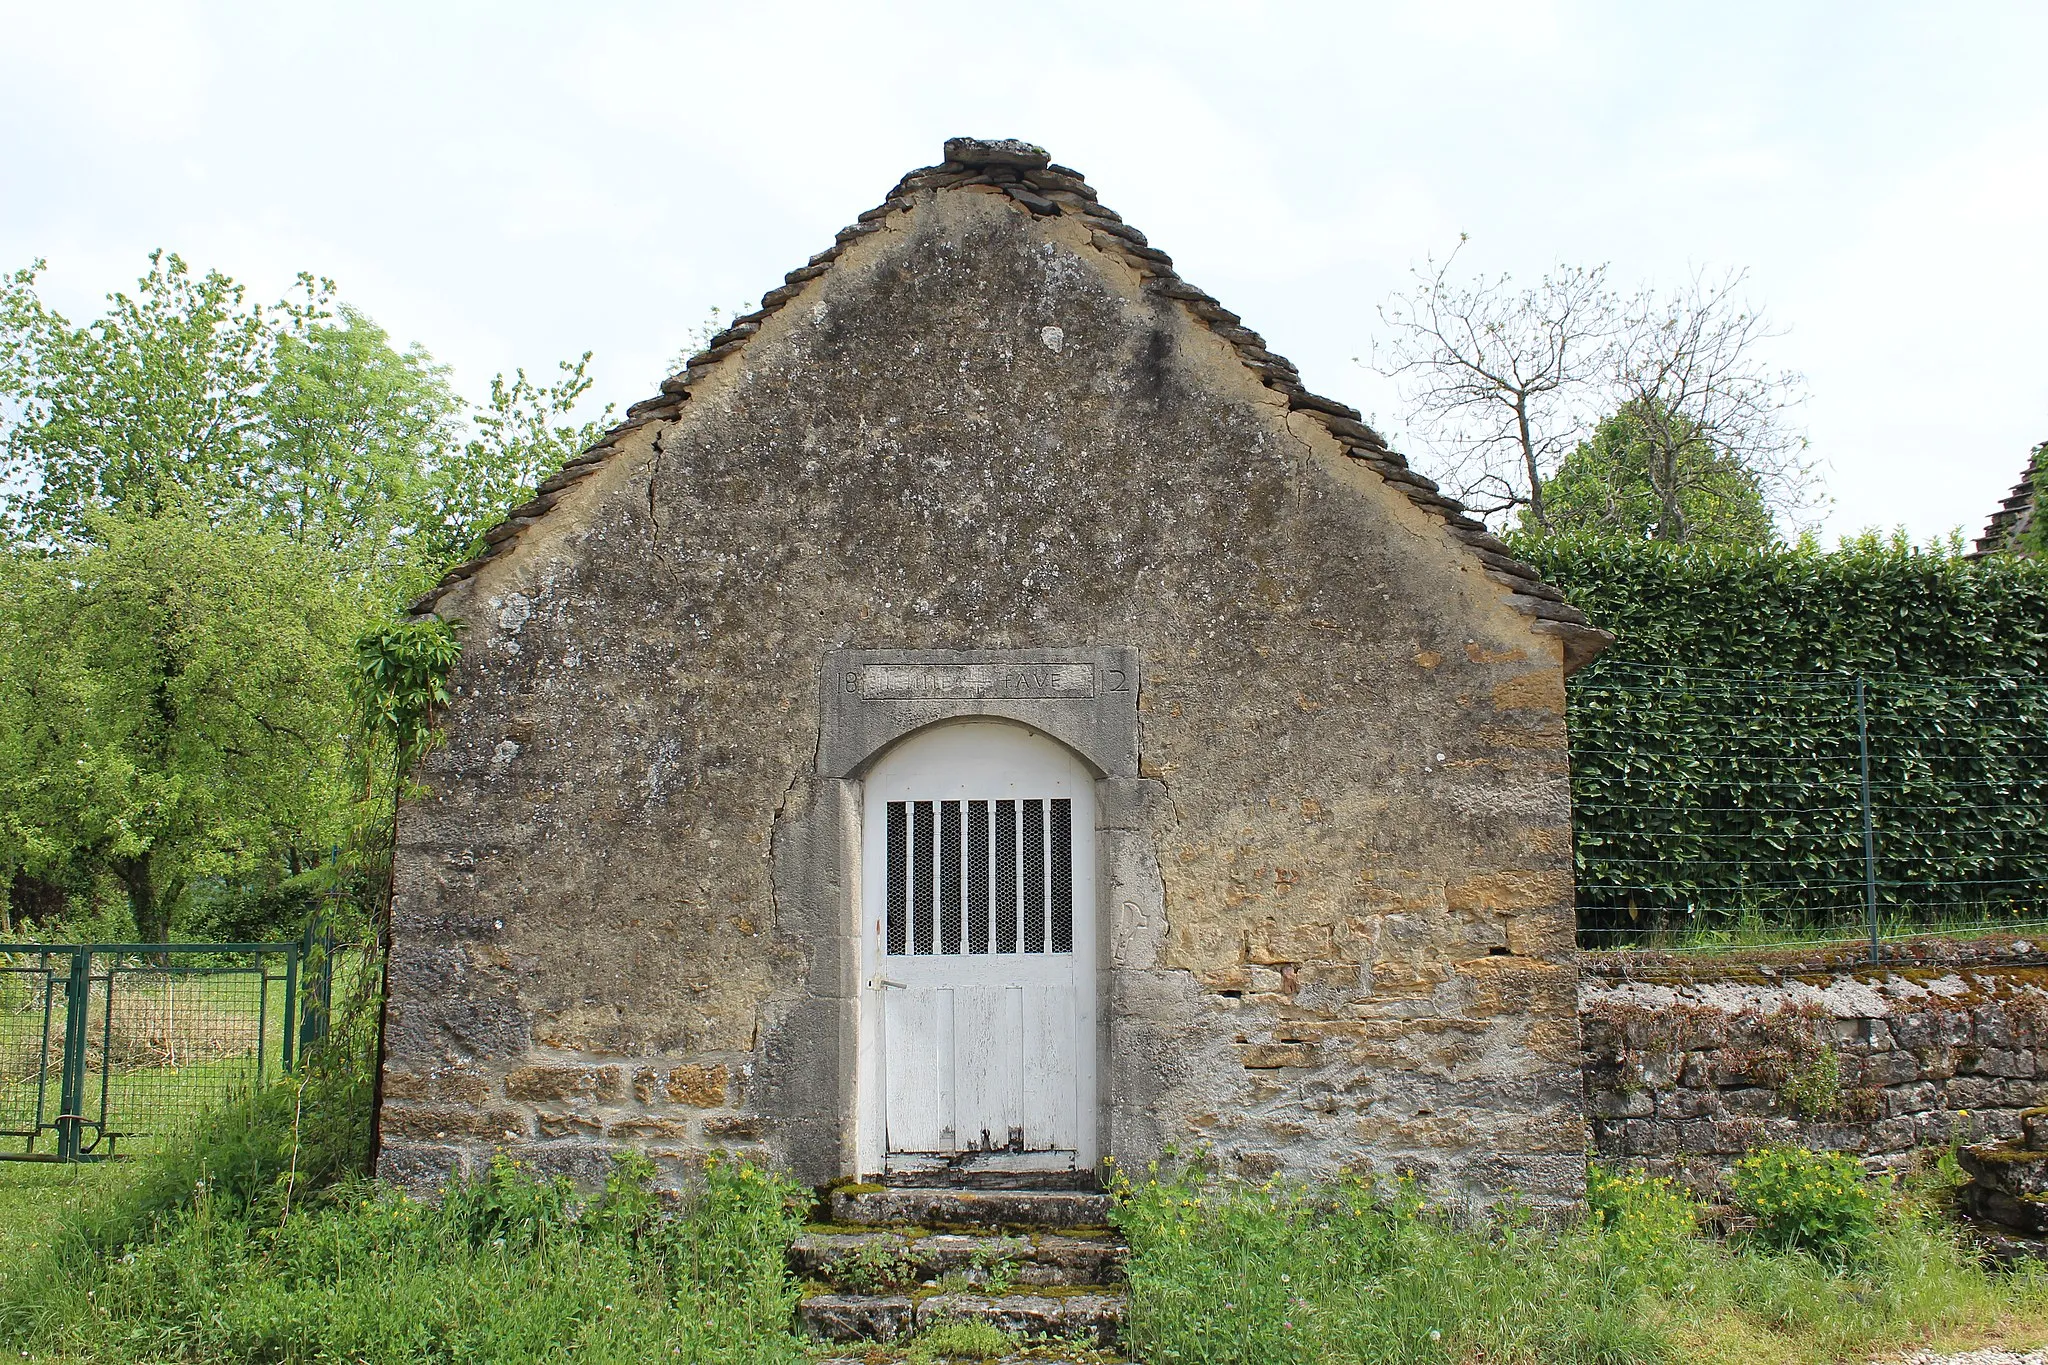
{"type": "Point", "coordinates": [1763, 932]}
{"type": "Point", "coordinates": [1229, 1274]}
{"type": "Point", "coordinates": [510, 1268]}
{"type": "Point", "coordinates": [39, 1202]}
{"type": "Point", "coordinates": [250, 1241]}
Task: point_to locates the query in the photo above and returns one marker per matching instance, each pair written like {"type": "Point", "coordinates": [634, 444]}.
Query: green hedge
{"type": "Point", "coordinates": [1715, 761]}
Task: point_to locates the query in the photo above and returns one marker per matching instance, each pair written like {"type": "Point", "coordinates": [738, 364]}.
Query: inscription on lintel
{"type": "Point", "coordinates": [1012, 682]}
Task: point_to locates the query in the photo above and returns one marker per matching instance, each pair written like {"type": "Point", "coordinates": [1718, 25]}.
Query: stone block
{"type": "Point", "coordinates": [1914, 1031]}
{"type": "Point", "coordinates": [404, 1085]}
{"type": "Point", "coordinates": [1504, 892]}
{"type": "Point", "coordinates": [1992, 1027]}
{"type": "Point", "coordinates": [1700, 1136]}
{"type": "Point", "coordinates": [1751, 1100]}
{"type": "Point", "coordinates": [559, 1082]}
{"type": "Point", "coordinates": [581, 1160]}
{"type": "Point", "coordinates": [1970, 1092]}
{"type": "Point", "coordinates": [1273, 1056]}
{"type": "Point", "coordinates": [465, 1087]}
{"type": "Point", "coordinates": [855, 1317]}
{"type": "Point", "coordinates": [1650, 1137]}
{"type": "Point", "coordinates": [1890, 1068]}
{"type": "Point", "coordinates": [736, 1127]}
{"type": "Point", "coordinates": [419, 1167]}
{"type": "Point", "coordinates": [442, 1121]}
{"type": "Point", "coordinates": [1636, 1102]}
{"type": "Point", "coordinates": [1916, 1098]}
{"type": "Point", "coordinates": [703, 1087]}
{"type": "Point", "coordinates": [567, 1125]}
{"type": "Point", "coordinates": [644, 1129]}
{"type": "Point", "coordinates": [1689, 1104]}
{"type": "Point", "coordinates": [2024, 1094]}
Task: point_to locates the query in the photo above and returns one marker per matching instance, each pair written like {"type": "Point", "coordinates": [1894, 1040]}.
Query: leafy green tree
{"type": "Point", "coordinates": [521, 434]}
{"type": "Point", "coordinates": [299, 416]}
{"type": "Point", "coordinates": [354, 430]}
{"type": "Point", "coordinates": [161, 401]}
{"type": "Point", "coordinates": [173, 704]}
{"type": "Point", "coordinates": [1640, 463]}
{"type": "Point", "coordinates": [204, 504]}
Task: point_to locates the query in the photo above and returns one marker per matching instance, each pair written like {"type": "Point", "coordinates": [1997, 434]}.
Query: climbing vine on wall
{"type": "Point", "coordinates": [1716, 764]}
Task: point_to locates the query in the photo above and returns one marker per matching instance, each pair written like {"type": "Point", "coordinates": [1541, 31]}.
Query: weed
{"type": "Point", "coordinates": [1819, 1202]}
{"type": "Point", "coordinates": [1227, 1273]}
{"type": "Point", "coordinates": [960, 1340]}
{"type": "Point", "coordinates": [876, 1268]}
{"type": "Point", "coordinates": [509, 1267]}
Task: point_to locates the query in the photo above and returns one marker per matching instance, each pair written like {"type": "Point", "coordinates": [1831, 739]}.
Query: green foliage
{"type": "Point", "coordinates": [1230, 1274]}
{"type": "Point", "coordinates": [355, 432]}
{"type": "Point", "coordinates": [1814, 1087]}
{"type": "Point", "coordinates": [2034, 540]}
{"type": "Point", "coordinates": [509, 1267]}
{"type": "Point", "coordinates": [523, 432]}
{"type": "Point", "coordinates": [204, 503]}
{"type": "Point", "coordinates": [1608, 486]}
{"type": "Point", "coordinates": [1806, 1201]}
{"type": "Point", "coordinates": [158, 405]}
{"type": "Point", "coordinates": [960, 1341]}
{"type": "Point", "coordinates": [399, 680]}
{"type": "Point", "coordinates": [1226, 1273]}
{"type": "Point", "coordinates": [1715, 773]}
{"type": "Point", "coordinates": [299, 417]}
{"type": "Point", "coordinates": [168, 706]}
{"type": "Point", "coordinates": [1647, 1220]}
{"type": "Point", "coordinates": [255, 1158]}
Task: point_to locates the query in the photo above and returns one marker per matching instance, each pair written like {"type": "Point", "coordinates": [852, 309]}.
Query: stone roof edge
{"type": "Point", "coordinates": [2014, 515]}
{"type": "Point", "coordinates": [1027, 175]}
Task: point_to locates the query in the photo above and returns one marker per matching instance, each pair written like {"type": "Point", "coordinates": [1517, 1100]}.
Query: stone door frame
{"type": "Point", "coordinates": [1086, 698]}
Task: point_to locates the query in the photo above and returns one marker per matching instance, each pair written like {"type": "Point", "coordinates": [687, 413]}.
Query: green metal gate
{"type": "Point", "coordinates": [107, 1047]}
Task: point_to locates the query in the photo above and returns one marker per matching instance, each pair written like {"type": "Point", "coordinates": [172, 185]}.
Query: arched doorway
{"type": "Point", "coordinates": [978, 942]}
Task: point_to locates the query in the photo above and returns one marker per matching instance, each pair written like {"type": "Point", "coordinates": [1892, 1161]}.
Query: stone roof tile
{"type": "Point", "coordinates": [2015, 515]}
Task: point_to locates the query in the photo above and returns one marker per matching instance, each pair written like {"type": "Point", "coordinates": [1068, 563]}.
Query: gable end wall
{"type": "Point", "coordinates": [1342, 934]}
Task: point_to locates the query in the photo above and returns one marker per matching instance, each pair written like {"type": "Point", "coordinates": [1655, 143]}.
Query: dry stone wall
{"type": "Point", "coordinates": [1689, 1067]}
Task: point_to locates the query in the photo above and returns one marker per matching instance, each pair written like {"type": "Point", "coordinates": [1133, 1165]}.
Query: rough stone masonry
{"type": "Point", "coordinates": [1692, 1063]}
{"type": "Point", "coordinates": [1335, 874]}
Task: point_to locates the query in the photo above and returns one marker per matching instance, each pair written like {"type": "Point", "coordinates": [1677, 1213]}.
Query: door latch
{"type": "Point", "coordinates": [877, 983]}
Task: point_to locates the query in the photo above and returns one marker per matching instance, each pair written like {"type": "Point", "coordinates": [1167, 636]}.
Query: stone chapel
{"type": "Point", "coordinates": [986, 716]}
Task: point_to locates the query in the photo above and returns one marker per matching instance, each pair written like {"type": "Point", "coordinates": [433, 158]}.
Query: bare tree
{"type": "Point", "coordinates": [1500, 382]}
{"type": "Point", "coordinates": [1693, 356]}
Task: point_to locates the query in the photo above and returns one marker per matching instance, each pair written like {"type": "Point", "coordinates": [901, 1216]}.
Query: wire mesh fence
{"type": "Point", "coordinates": [107, 1049]}
{"type": "Point", "coordinates": [1715, 807]}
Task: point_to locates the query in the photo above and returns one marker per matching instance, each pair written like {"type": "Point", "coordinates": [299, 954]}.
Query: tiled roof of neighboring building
{"type": "Point", "coordinates": [1027, 175]}
{"type": "Point", "coordinates": [2015, 516]}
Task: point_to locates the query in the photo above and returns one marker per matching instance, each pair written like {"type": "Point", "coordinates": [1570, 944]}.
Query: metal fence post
{"type": "Point", "coordinates": [1869, 835]}
{"type": "Point", "coordinates": [291, 1002]}
{"type": "Point", "coordinates": [71, 1078]}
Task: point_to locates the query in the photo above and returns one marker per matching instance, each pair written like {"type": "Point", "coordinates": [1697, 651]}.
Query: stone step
{"type": "Point", "coordinates": [948, 1177]}
{"type": "Point", "coordinates": [868, 1262]}
{"type": "Point", "coordinates": [879, 1206]}
{"type": "Point", "coordinates": [1094, 1318]}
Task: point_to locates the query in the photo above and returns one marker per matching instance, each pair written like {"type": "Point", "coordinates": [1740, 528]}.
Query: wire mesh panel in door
{"type": "Point", "coordinates": [975, 878]}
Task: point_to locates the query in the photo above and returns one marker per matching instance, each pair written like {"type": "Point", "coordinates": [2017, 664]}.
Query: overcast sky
{"type": "Point", "coordinates": [513, 183]}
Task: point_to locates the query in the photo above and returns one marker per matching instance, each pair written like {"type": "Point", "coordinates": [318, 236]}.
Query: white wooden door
{"type": "Point", "coordinates": [978, 999]}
